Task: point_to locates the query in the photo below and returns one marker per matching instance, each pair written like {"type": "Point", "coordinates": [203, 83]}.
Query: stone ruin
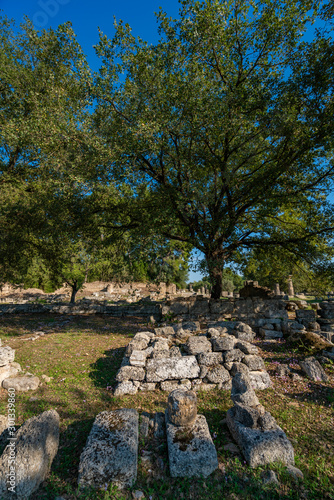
{"type": "Point", "coordinates": [252, 289]}
{"type": "Point", "coordinates": [184, 356]}
{"type": "Point", "coordinates": [10, 376]}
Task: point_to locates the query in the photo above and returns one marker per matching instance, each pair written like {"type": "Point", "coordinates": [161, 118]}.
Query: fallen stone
{"type": "Point", "coordinates": [182, 407]}
{"type": "Point", "coordinates": [210, 359]}
{"type": "Point", "coordinates": [242, 391]}
{"type": "Point", "coordinates": [313, 369]}
{"type": "Point", "coordinates": [7, 355]}
{"type": "Point", "coordinates": [136, 345]}
{"type": "Point", "coordinates": [164, 331]}
{"type": "Point", "coordinates": [253, 362]}
{"type": "Point", "coordinates": [21, 384]}
{"type": "Point", "coordinates": [260, 380]}
{"type": "Point", "coordinates": [191, 450]}
{"type": "Point", "coordinates": [260, 447]}
{"type": "Point", "coordinates": [7, 371]}
{"type": "Point", "coordinates": [269, 477]}
{"type": "Point", "coordinates": [126, 373]}
{"type": "Point", "coordinates": [147, 336]}
{"type": "Point", "coordinates": [159, 425]}
{"type": "Point", "coordinates": [197, 345]}
{"type": "Point", "coordinates": [46, 378]}
{"type": "Point", "coordinates": [126, 387]}
{"type": "Point", "coordinates": [218, 374]}
{"type": "Point", "coordinates": [111, 451]}
{"type": "Point", "coordinates": [144, 425]}
{"type": "Point", "coordinates": [172, 369]}
{"type": "Point", "coordinates": [282, 370]}
{"type": "Point", "coordinates": [16, 365]}
{"type": "Point", "coordinates": [249, 415]}
{"type": "Point", "coordinates": [232, 448]}
{"type": "Point", "coordinates": [294, 472]}
{"type": "Point", "coordinates": [221, 344]}
{"type": "Point", "coordinates": [36, 446]}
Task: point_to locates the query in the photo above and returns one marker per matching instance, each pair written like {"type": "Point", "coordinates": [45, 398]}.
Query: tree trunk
{"type": "Point", "coordinates": [215, 262]}
{"type": "Point", "coordinates": [74, 292]}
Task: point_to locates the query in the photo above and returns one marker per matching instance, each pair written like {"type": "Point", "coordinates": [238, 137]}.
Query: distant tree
{"type": "Point", "coordinates": [227, 124]}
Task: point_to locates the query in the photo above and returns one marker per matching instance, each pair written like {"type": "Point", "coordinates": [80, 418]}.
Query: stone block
{"type": "Point", "coordinates": [254, 362]}
{"type": "Point", "coordinates": [182, 407]}
{"type": "Point", "coordinates": [221, 344]}
{"type": "Point", "coordinates": [233, 355]}
{"type": "Point", "coordinates": [260, 447]}
{"type": "Point", "coordinates": [111, 451]}
{"type": "Point", "coordinates": [260, 380]}
{"type": "Point", "coordinates": [172, 369]}
{"type": "Point", "coordinates": [313, 369]}
{"type": "Point", "coordinates": [7, 355]}
{"type": "Point", "coordinates": [217, 374]}
{"type": "Point", "coordinates": [242, 390]}
{"type": "Point", "coordinates": [7, 371]}
{"type": "Point", "coordinates": [126, 387]}
{"type": "Point", "coordinates": [138, 358]}
{"type": "Point", "coordinates": [21, 383]}
{"type": "Point", "coordinates": [210, 358]}
{"type": "Point", "coordinates": [246, 347]}
{"type": "Point", "coordinates": [191, 450]}
{"type": "Point", "coordinates": [36, 446]}
{"type": "Point", "coordinates": [126, 373]}
{"type": "Point", "coordinates": [198, 344]}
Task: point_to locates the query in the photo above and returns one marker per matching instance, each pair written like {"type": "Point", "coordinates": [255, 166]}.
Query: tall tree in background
{"type": "Point", "coordinates": [227, 122]}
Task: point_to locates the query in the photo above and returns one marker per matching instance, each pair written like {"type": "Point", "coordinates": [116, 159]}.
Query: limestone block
{"type": "Point", "coordinates": [147, 386]}
{"type": "Point", "coordinates": [165, 331]}
{"type": "Point", "coordinates": [218, 374]}
{"type": "Point", "coordinates": [175, 352]}
{"type": "Point", "coordinates": [130, 373]}
{"type": "Point", "coordinates": [254, 362]}
{"type": "Point", "coordinates": [260, 447]}
{"type": "Point", "coordinates": [241, 335]}
{"type": "Point", "coordinates": [248, 415]}
{"type": "Point", "coordinates": [138, 358]}
{"type": "Point", "coordinates": [198, 344]}
{"type": "Point", "coordinates": [145, 336]}
{"type": "Point", "coordinates": [136, 345]}
{"type": "Point", "coordinates": [239, 367]}
{"type": "Point", "coordinates": [221, 344]}
{"type": "Point", "coordinates": [169, 385]}
{"type": "Point", "coordinates": [233, 355]}
{"type": "Point", "coordinates": [313, 369]}
{"type": "Point", "coordinates": [21, 383]}
{"type": "Point", "coordinates": [246, 347]}
{"type": "Point", "coordinates": [111, 450]}
{"type": "Point", "coordinates": [7, 371]}
{"type": "Point", "coordinates": [35, 447]}
{"type": "Point", "coordinates": [160, 354]}
{"type": "Point", "coordinates": [242, 391]}
{"type": "Point", "coordinates": [210, 358]}
{"type": "Point", "coordinates": [126, 387]}
{"type": "Point", "coordinates": [191, 450]}
{"type": "Point", "coordinates": [260, 380]}
{"type": "Point", "coordinates": [7, 355]}
{"type": "Point", "coordinates": [270, 334]}
{"type": "Point", "coordinates": [172, 369]}
{"type": "Point", "coordinates": [182, 407]}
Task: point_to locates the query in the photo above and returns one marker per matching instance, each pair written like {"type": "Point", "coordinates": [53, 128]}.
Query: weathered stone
{"type": "Point", "coordinates": [126, 387]}
{"type": "Point", "coordinates": [269, 477]}
{"type": "Point", "coordinates": [218, 374]}
{"type": "Point", "coordinates": [160, 344]}
{"type": "Point", "coordinates": [253, 362]}
{"type": "Point", "coordinates": [196, 384]}
{"type": "Point", "coordinates": [239, 367]}
{"type": "Point", "coordinates": [172, 369]}
{"type": "Point", "coordinates": [136, 345]}
{"type": "Point", "coordinates": [144, 425]}
{"type": "Point", "coordinates": [46, 379]}
{"type": "Point", "coordinates": [169, 385]}
{"type": "Point", "coordinates": [7, 371]}
{"type": "Point", "coordinates": [159, 425]}
{"type": "Point", "coordinates": [282, 370]}
{"type": "Point", "coordinates": [233, 355]}
{"type": "Point", "coordinates": [225, 386]}
{"type": "Point", "coordinates": [16, 365]}
{"type": "Point", "coordinates": [145, 336]}
{"type": "Point", "coordinates": [182, 407]}
{"type": "Point", "coordinates": [213, 332]}
{"type": "Point", "coordinates": [111, 450]}
{"type": "Point", "coordinates": [165, 331]}
{"type": "Point", "coordinates": [242, 391]}
{"type": "Point", "coordinates": [191, 450]}
{"type": "Point", "coordinates": [138, 358]}
{"type": "Point", "coordinates": [241, 335]}
{"type": "Point", "coordinates": [3, 423]}
{"type": "Point", "coordinates": [126, 373]}
{"type": "Point", "coordinates": [260, 380]}
{"type": "Point", "coordinates": [175, 352]}
{"type": "Point", "coordinates": [147, 386]}
{"type": "Point", "coordinates": [221, 344]}
{"type": "Point", "coordinates": [248, 415]}
{"type": "Point", "coordinates": [185, 384]}
{"type": "Point", "coordinates": [206, 387]}
{"type": "Point", "coordinates": [191, 326]}
{"type": "Point", "coordinates": [7, 355]}
{"type": "Point", "coordinates": [198, 344]}
{"type": "Point", "coordinates": [260, 447]}
{"type": "Point", "coordinates": [35, 447]}
{"type": "Point", "coordinates": [228, 366]}
{"type": "Point", "coordinates": [157, 354]}
{"type": "Point", "coordinates": [210, 358]}
{"type": "Point", "coordinates": [246, 347]}
{"type": "Point", "coordinates": [270, 334]}
{"type": "Point", "coordinates": [294, 472]}
{"type": "Point", "coordinates": [21, 384]}
{"type": "Point", "coordinates": [313, 369]}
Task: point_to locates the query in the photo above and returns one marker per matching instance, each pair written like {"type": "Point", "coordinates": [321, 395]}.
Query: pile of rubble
{"type": "Point", "coordinates": [181, 356]}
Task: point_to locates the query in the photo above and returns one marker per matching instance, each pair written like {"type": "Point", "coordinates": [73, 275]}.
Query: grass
{"type": "Point", "coordinates": [83, 354]}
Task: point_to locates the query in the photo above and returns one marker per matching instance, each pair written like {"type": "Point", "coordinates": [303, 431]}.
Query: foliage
{"type": "Point", "coordinates": [227, 122]}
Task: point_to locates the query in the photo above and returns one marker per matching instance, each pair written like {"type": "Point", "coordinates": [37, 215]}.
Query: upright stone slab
{"type": "Point", "coordinates": [111, 450]}
{"type": "Point", "coordinates": [191, 451]}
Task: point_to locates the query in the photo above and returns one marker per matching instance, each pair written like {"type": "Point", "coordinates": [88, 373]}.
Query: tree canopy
{"type": "Point", "coordinates": [227, 121]}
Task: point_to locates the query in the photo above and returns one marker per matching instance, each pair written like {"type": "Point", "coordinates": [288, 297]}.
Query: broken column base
{"type": "Point", "coordinates": [191, 450]}
{"type": "Point", "coordinates": [260, 447]}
